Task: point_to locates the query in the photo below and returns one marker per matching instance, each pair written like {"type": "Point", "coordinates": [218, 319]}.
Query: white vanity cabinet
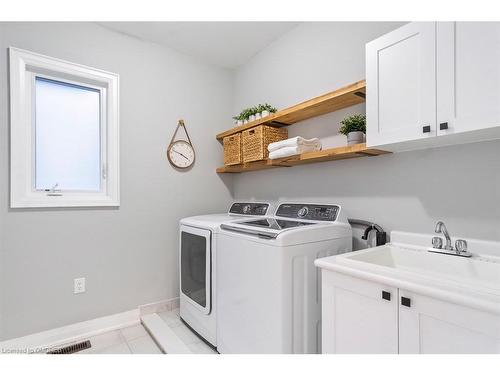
{"type": "Point", "coordinates": [433, 83]}
{"type": "Point", "coordinates": [360, 316]}
{"type": "Point", "coordinates": [429, 326]}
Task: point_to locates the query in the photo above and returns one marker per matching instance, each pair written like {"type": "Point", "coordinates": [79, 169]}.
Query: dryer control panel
{"type": "Point", "coordinates": [254, 209]}
{"type": "Point", "coordinates": [321, 212]}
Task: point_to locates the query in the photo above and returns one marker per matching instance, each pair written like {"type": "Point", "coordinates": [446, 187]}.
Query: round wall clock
{"type": "Point", "coordinates": [181, 153]}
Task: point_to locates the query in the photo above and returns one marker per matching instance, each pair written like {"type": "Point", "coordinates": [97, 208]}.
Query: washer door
{"type": "Point", "coordinates": [195, 266]}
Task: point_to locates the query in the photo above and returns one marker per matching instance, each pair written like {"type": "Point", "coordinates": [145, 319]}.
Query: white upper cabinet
{"type": "Point", "coordinates": [401, 85]}
{"type": "Point", "coordinates": [433, 83]}
{"type": "Point", "coordinates": [468, 67]}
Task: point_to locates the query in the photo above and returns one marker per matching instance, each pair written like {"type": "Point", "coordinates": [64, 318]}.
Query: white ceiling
{"type": "Point", "coordinates": [226, 44]}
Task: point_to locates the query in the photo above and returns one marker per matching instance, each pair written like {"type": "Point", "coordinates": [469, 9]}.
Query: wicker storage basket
{"type": "Point", "coordinates": [232, 149]}
{"type": "Point", "coordinates": [256, 140]}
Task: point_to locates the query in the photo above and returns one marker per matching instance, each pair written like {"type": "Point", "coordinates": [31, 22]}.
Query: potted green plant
{"type": "Point", "coordinates": [251, 113]}
{"type": "Point", "coordinates": [260, 109]}
{"type": "Point", "coordinates": [254, 113]}
{"type": "Point", "coordinates": [238, 120]}
{"type": "Point", "coordinates": [266, 109]}
{"type": "Point", "coordinates": [242, 116]}
{"type": "Point", "coordinates": [258, 112]}
{"type": "Point", "coordinates": [354, 127]}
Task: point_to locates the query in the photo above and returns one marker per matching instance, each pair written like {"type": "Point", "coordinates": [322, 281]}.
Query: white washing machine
{"type": "Point", "coordinates": [268, 290]}
{"type": "Point", "coordinates": [197, 259]}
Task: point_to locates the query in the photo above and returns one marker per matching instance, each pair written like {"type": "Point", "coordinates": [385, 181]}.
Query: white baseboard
{"type": "Point", "coordinates": [160, 306]}
{"type": "Point", "coordinates": [40, 342]}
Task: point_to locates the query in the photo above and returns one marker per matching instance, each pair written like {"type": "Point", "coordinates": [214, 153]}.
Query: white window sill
{"type": "Point", "coordinates": [66, 200]}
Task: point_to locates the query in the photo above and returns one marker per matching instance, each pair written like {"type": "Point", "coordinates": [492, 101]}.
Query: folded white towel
{"type": "Point", "coordinates": [291, 142]}
{"type": "Point", "coordinates": [293, 150]}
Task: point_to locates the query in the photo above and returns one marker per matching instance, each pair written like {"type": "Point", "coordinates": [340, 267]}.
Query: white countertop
{"type": "Point", "coordinates": [472, 282]}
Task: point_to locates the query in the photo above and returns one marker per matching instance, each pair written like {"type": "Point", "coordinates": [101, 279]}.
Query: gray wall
{"type": "Point", "coordinates": [128, 255]}
{"type": "Point", "coordinates": [405, 191]}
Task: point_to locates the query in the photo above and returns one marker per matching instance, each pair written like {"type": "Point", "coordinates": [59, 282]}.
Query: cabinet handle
{"type": "Point", "coordinates": [426, 129]}
{"type": "Point", "coordinates": [406, 301]}
{"type": "Point", "coordinates": [386, 295]}
{"type": "Point", "coordinates": [443, 126]}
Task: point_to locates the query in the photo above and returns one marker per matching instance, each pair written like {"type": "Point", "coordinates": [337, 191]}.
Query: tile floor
{"type": "Point", "coordinates": [136, 340]}
{"type": "Point", "coordinates": [192, 341]}
{"type": "Point", "coordinates": [130, 340]}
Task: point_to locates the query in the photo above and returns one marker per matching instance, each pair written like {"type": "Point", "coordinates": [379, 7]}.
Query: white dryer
{"type": "Point", "coordinates": [197, 260]}
{"type": "Point", "coordinates": [268, 290]}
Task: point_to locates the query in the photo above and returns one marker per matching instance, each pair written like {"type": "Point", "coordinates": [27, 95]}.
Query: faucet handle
{"type": "Point", "coordinates": [461, 246]}
{"type": "Point", "coordinates": [437, 242]}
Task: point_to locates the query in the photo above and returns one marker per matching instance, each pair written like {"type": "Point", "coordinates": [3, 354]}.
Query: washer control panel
{"type": "Point", "coordinates": [255, 209]}
{"type": "Point", "coordinates": [322, 212]}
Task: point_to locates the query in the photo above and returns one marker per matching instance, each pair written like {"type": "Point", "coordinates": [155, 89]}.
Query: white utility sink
{"type": "Point", "coordinates": [473, 272]}
{"type": "Point", "coordinates": [403, 298]}
{"type": "Point", "coordinates": [407, 264]}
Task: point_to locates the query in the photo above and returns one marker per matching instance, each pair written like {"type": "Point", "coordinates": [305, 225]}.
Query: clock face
{"type": "Point", "coordinates": [181, 154]}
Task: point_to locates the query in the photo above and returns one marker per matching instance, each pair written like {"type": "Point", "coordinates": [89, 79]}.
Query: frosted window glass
{"type": "Point", "coordinates": [67, 136]}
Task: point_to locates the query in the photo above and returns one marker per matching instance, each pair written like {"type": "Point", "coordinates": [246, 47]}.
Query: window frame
{"type": "Point", "coordinates": [25, 66]}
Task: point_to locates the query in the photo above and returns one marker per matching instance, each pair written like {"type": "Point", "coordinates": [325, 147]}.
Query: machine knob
{"type": "Point", "coordinates": [437, 242]}
{"type": "Point", "coordinates": [461, 246]}
{"type": "Point", "coordinates": [303, 212]}
{"type": "Point", "coordinates": [246, 209]}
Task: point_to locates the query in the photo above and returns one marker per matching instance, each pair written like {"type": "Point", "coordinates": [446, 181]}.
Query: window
{"type": "Point", "coordinates": [67, 136]}
{"type": "Point", "coordinates": [64, 133]}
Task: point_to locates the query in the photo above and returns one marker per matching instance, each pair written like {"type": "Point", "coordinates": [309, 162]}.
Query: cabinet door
{"type": "Point", "coordinates": [468, 72]}
{"type": "Point", "coordinates": [355, 316]}
{"type": "Point", "coordinates": [401, 85]}
{"type": "Point", "coordinates": [431, 326]}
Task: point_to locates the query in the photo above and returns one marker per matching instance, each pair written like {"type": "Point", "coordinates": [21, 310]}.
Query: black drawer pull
{"type": "Point", "coordinates": [443, 126]}
{"type": "Point", "coordinates": [406, 301]}
{"type": "Point", "coordinates": [426, 129]}
{"type": "Point", "coordinates": [386, 295]}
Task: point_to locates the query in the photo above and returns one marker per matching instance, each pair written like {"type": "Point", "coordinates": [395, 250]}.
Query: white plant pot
{"type": "Point", "coordinates": [239, 122]}
{"type": "Point", "coordinates": [245, 122]}
{"type": "Point", "coordinates": [354, 138]}
{"type": "Point", "coordinates": [251, 118]}
{"type": "Point", "coordinates": [258, 116]}
{"type": "Point", "coordinates": [264, 113]}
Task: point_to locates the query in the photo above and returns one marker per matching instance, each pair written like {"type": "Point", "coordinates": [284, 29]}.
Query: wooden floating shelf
{"type": "Point", "coordinates": [338, 153]}
{"type": "Point", "coordinates": [330, 102]}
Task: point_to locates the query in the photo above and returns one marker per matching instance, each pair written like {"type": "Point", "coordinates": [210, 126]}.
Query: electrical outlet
{"type": "Point", "coordinates": [79, 285]}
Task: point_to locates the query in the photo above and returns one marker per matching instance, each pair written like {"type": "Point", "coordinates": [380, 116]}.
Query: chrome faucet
{"type": "Point", "coordinates": [460, 248]}
{"type": "Point", "coordinates": [441, 228]}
